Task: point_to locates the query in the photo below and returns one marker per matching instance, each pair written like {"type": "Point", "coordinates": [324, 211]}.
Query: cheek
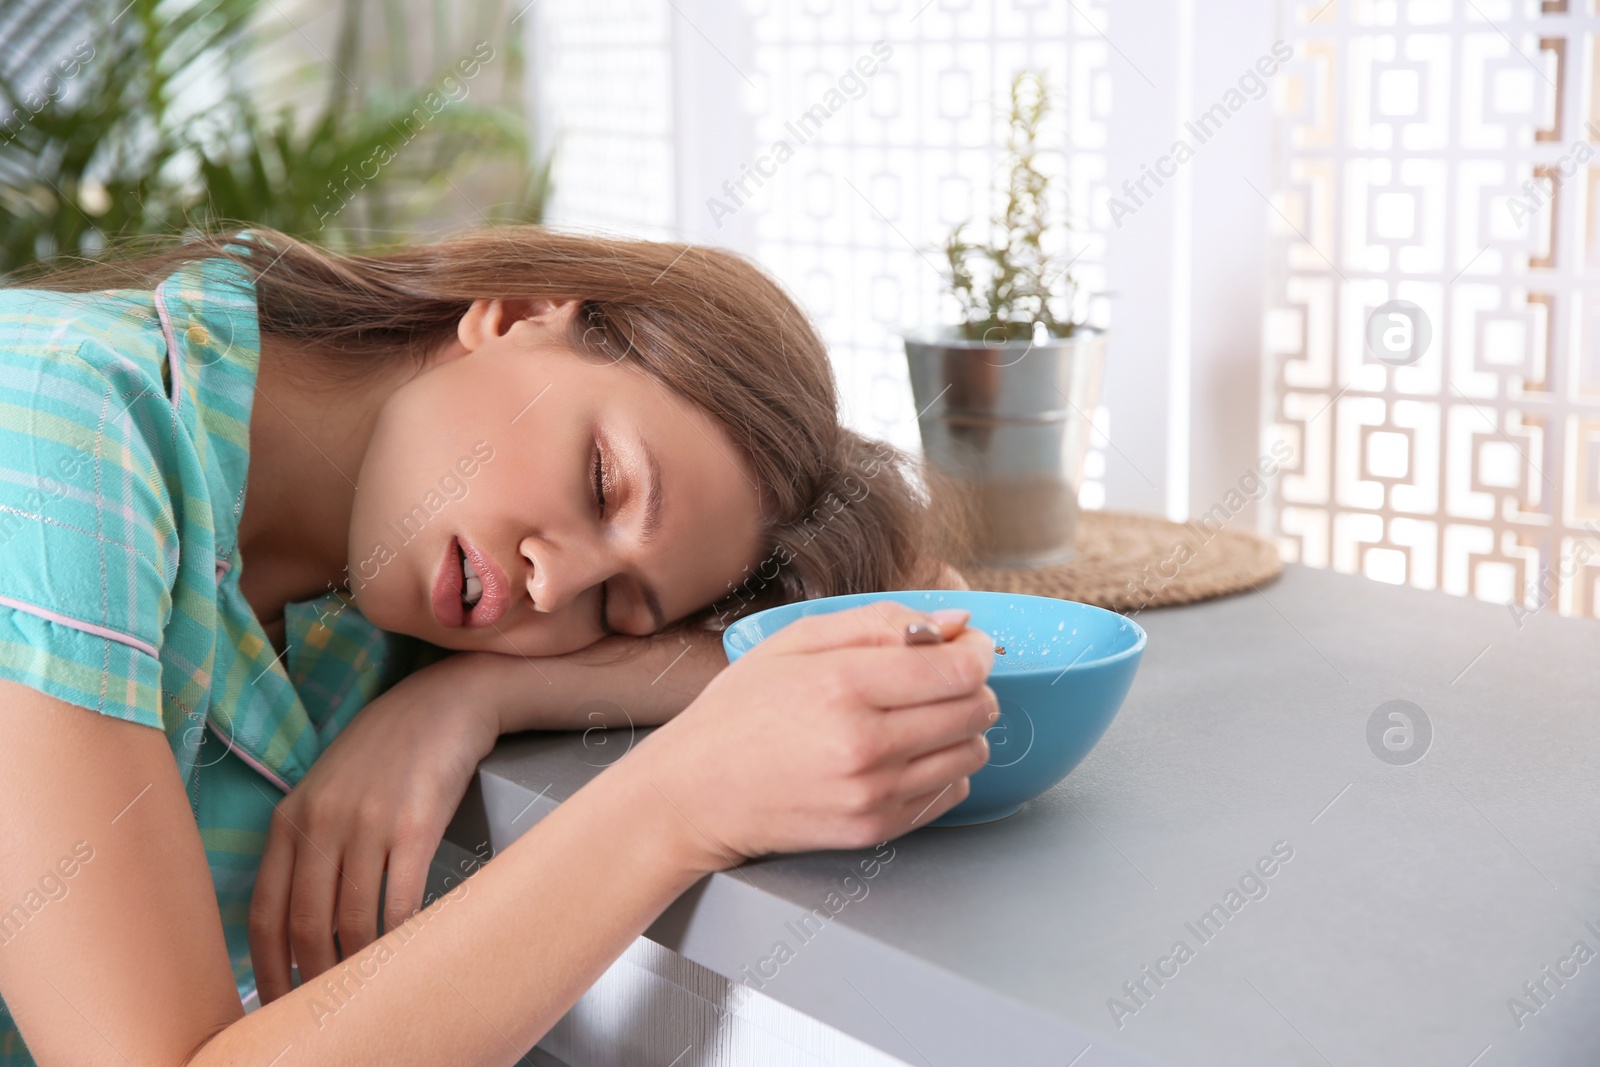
{"type": "Point", "coordinates": [711, 562]}
{"type": "Point", "coordinates": [400, 520]}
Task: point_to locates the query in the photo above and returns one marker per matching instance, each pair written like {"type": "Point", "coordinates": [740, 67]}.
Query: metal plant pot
{"type": "Point", "coordinates": [1011, 423]}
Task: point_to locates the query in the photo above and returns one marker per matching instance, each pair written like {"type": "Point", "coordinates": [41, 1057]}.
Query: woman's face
{"type": "Point", "coordinates": [588, 498]}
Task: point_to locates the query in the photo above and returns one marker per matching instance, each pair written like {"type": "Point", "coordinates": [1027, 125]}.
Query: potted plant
{"type": "Point", "coordinates": [1005, 395]}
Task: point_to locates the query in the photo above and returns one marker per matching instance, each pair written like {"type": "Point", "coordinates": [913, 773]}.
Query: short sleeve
{"type": "Point", "coordinates": [88, 542]}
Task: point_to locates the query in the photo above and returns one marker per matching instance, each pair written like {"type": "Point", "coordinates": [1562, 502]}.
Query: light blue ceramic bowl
{"type": "Point", "coordinates": [1066, 668]}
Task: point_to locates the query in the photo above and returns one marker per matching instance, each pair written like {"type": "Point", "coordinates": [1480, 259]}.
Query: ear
{"type": "Point", "coordinates": [488, 320]}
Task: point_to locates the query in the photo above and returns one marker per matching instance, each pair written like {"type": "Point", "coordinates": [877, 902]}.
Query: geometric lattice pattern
{"type": "Point", "coordinates": [1445, 153]}
{"type": "Point", "coordinates": [604, 72]}
{"type": "Point", "coordinates": [854, 221]}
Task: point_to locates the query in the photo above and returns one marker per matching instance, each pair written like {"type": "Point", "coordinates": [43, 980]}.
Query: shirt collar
{"type": "Point", "coordinates": [209, 318]}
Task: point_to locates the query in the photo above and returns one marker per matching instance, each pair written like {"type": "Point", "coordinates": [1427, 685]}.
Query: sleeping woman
{"type": "Point", "coordinates": [288, 539]}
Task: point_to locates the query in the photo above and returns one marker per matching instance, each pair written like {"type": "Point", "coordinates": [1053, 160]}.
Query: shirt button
{"type": "Point", "coordinates": [199, 335]}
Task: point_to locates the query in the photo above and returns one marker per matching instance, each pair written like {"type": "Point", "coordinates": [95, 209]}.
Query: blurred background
{"type": "Point", "coordinates": [1434, 151]}
{"type": "Point", "coordinates": [350, 122]}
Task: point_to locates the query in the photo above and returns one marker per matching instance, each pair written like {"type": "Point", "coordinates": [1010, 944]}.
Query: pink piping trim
{"type": "Point", "coordinates": [172, 346]}
{"type": "Point", "coordinates": [134, 642]}
{"type": "Point", "coordinates": [79, 624]}
{"type": "Point", "coordinates": [254, 763]}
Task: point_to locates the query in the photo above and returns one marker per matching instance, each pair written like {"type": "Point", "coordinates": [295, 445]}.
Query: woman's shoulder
{"type": "Point", "coordinates": [78, 374]}
{"type": "Point", "coordinates": [123, 419]}
{"type": "Point", "coordinates": [143, 374]}
{"type": "Point", "coordinates": [52, 318]}
{"type": "Point", "coordinates": [201, 314]}
{"type": "Point", "coordinates": [87, 529]}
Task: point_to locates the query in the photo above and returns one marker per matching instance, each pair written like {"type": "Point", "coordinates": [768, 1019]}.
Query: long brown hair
{"type": "Point", "coordinates": [844, 513]}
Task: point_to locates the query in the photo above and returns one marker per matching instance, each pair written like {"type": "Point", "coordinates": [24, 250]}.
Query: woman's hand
{"type": "Point", "coordinates": [378, 798]}
{"type": "Point", "coordinates": [832, 733]}
{"type": "Point", "coordinates": [382, 794]}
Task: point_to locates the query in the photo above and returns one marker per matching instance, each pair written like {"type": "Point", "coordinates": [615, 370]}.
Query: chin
{"type": "Point", "coordinates": [384, 610]}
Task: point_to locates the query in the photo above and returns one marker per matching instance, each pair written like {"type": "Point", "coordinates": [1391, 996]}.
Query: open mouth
{"type": "Point", "coordinates": [468, 588]}
{"type": "Point", "coordinates": [471, 584]}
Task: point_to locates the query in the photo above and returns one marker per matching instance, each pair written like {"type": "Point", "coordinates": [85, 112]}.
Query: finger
{"type": "Point", "coordinates": [936, 770]}
{"type": "Point", "coordinates": [311, 909]}
{"type": "Point", "coordinates": [897, 676]}
{"type": "Point", "coordinates": [920, 811]}
{"type": "Point", "coordinates": [407, 880]}
{"type": "Point", "coordinates": [880, 622]}
{"type": "Point", "coordinates": [269, 910]}
{"type": "Point", "coordinates": [916, 731]}
{"type": "Point", "coordinates": [358, 896]}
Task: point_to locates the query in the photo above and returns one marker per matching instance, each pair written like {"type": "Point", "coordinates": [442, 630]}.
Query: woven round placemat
{"type": "Point", "coordinates": [1128, 562]}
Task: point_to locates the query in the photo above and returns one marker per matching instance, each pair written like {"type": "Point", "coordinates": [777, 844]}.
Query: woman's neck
{"type": "Point", "coordinates": [308, 436]}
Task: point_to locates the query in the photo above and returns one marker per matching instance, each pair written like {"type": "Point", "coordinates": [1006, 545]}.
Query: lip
{"type": "Point", "coordinates": [447, 583]}
{"type": "Point", "coordinates": [447, 588]}
{"type": "Point", "coordinates": [496, 590]}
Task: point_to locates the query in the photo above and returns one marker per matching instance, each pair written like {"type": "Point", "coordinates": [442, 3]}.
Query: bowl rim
{"type": "Point", "coordinates": [1132, 650]}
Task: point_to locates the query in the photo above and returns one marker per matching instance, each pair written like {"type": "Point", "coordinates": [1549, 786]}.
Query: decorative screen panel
{"type": "Point", "coordinates": [604, 70]}
{"type": "Point", "coordinates": [854, 220]}
{"type": "Point", "coordinates": [1444, 154]}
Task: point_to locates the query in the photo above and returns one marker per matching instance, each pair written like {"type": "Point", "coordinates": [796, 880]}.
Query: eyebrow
{"type": "Point", "coordinates": [652, 498]}
{"type": "Point", "coordinates": [650, 527]}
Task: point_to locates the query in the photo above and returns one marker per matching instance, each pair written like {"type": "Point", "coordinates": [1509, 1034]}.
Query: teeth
{"type": "Point", "coordinates": [472, 585]}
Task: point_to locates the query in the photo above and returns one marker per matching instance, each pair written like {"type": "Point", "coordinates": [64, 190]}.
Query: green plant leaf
{"type": "Point", "coordinates": [1017, 282]}
{"type": "Point", "coordinates": [121, 152]}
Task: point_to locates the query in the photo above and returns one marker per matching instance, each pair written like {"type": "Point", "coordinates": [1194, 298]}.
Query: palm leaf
{"type": "Point", "coordinates": [123, 153]}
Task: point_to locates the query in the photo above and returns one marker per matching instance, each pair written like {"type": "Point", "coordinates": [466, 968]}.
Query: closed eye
{"type": "Point", "coordinates": [600, 511]}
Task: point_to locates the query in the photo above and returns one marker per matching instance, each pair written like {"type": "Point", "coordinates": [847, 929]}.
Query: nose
{"type": "Point", "coordinates": [558, 573]}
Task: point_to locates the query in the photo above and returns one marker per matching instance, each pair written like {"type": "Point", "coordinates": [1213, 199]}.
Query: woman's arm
{"type": "Point", "coordinates": [647, 679]}
{"type": "Point", "coordinates": [639, 680]}
{"type": "Point", "coordinates": [133, 933]}
{"type": "Point", "coordinates": [372, 809]}
{"type": "Point", "coordinates": [130, 965]}
{"type": "Point", "coordinates": [379, 799]}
